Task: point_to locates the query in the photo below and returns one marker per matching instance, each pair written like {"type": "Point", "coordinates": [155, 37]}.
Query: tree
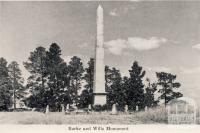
{"type": "Point", "coordinates": [108, 83]}
{"type": "Point", "coordinates": [36, 65]}
{"type": "Point", "coordinates": [135, 92]}
{"type": "Point", "coordinates": [84, 99]}
{"type": "Point", "coordinates": [37, 81]}
{"type": "Point", "coordinates": [5, 86]}
{"type": "Point", "coordinates": [108, 78]}
{"type": "Point", "coordinates": [75, 72]}
{"type": "Point", "coordinates": [87, 93]}
{"type": "Point", "coordinates": [17, 82]}
{"type": "Point", "coordinates": [168, 84]}
{"type": "Point", "coordinates": [49, 80]}
{"type": "Point", "coordinates": [125, 87]}
{"type": "Point", "coordinates": [114, 88]}
{"type": "Point", "coordinates": [57, 72]}
{"type": "Point", "coordinates": [149, 94]}
{"type": "Point", "coordinates": [89, 75]}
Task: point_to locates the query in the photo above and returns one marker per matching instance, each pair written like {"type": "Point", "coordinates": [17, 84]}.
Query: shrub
{"type": "Point", "coordinates": [100, 108]}
{"type": "Point", "coordinates": [97, 108]}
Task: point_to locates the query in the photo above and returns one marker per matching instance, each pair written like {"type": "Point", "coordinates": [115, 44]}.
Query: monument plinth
{"type": "Point", "coordinates": [99, 79]}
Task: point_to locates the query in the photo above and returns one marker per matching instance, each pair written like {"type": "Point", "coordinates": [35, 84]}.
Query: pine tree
{"type": "Point", "coordinates": [17, 82]}
{"type": "Point", "coordinates": [5, 86]}
{"type": "Point", "coordinates": [57, 73]}
{"type": "Point", "coordinates": [36, 65]}
{"type": "Point", "coordinates": [125, 88]}
{"type": "Point", "coordinates": [114, 89]}
{"type": "Point", "coordinates": [75, 72]}
{"type": "Point", "coordinates": [108, 83]}
{"type": "Point", "coordinates": [150, 93]}
{"type": "Point", "coordinates": [86, 97]}
{"type": "Point", "coordinates": [168, 84]}
{"type": "Point", "coordinates": [49, 80]}
{"type": "Point", "coordinates": [37, 81]}
{"type": "Point", "coordinates": [64, 92]}
{"type": "Point", "coordinates": [135, 92]}
{"type": "Point", "coordinates": [108, 76]}
{"type": "Point", "coordinates": [117, 93]}
{"type": "Point", "coordinates": [89, 75]}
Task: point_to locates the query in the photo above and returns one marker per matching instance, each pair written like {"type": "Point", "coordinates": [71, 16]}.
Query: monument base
{"type": "Point", "coordinates": [100, 99]}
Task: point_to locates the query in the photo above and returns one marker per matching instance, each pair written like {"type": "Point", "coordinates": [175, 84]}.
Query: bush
{"type": "Point", "coordinates": [100, 108]}
{"type": "Point", "coordinates": [97, 108]}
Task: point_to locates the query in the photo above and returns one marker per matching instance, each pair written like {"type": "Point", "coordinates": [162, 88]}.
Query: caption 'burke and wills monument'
{"type": "Point", "coordinates": [99, 72]}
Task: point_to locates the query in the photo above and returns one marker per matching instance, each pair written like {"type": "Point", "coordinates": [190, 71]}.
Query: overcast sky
{"type": "Point", "coordinates": [161, 36]}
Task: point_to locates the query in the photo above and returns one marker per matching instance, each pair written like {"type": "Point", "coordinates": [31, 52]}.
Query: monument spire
{"type": "Point", "coordinates": [99, 79]}
{"type": "Point", "coordinates": [100, 26]}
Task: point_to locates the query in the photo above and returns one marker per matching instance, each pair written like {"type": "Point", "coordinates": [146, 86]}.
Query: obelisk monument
{"type": "Point", "coordinates": [99, 72]}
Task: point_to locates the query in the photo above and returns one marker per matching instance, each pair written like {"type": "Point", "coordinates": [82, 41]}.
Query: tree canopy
{"type": "Point", "coordinates": [55, 82]}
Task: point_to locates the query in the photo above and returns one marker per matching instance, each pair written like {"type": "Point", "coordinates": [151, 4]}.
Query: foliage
{"type": "Point", "coordinates": [116, 93]}
{"type": "Point", "coordinates": [37, 81]}
{"type": "Point", "coordinates": [5, 86]}
{"type": "Point", "coordinates": [150, 94]}
{"type": "Point", "coordinates": [17, 82]}
{"type": "Point", "coordinates": [89, 75]}
{"type": "Point", "coordinates": [54, 82]}
{"type": "Point", "coordinates": [168, 84]}
{"type": "Point", "coordinates": [135, 91]}
{"type": "Point", "coordinates": [36, 65]}
{"type": "Point", "coordinates": [57, 77]}
{"type": "Point", "coordinates": [75, 74]}
{"type": "Point", "coordinates": [87, 94]}
{"type": "Point", "coordinates": [100, 108]}
{"type": "Point", "coordinates": [49, 82]}
{"type": "Point", "coordinates": [84, 99]}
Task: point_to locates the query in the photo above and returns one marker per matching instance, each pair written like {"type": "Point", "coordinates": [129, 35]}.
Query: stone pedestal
{"type": "Point", "coordinates": [99, 99]}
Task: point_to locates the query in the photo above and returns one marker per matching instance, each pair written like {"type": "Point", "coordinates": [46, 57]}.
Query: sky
{"type": "Point", "coordinates": [161, 36]}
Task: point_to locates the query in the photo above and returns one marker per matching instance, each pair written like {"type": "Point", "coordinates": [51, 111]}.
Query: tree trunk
{"type": "Point", "coordinates": [14, 89]}
{"type": "Point", "coordinates": [14, 101]}
{"type": "Point", "coordinates": [165, 98]}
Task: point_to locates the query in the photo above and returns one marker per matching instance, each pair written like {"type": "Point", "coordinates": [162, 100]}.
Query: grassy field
{"type": "Point", "coordinates": [152, 116]}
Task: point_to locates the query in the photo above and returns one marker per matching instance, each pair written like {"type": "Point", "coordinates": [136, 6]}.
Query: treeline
{"type": "Point", "coordinates": [53, 82]}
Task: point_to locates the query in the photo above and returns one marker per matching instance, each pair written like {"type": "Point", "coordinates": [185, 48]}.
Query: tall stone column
{"type": "Point", "coordinates": [99, 79]}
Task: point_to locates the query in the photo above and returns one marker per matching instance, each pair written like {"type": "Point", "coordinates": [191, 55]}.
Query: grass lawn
{"type": "Point", "coordinates": [153, 116]}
